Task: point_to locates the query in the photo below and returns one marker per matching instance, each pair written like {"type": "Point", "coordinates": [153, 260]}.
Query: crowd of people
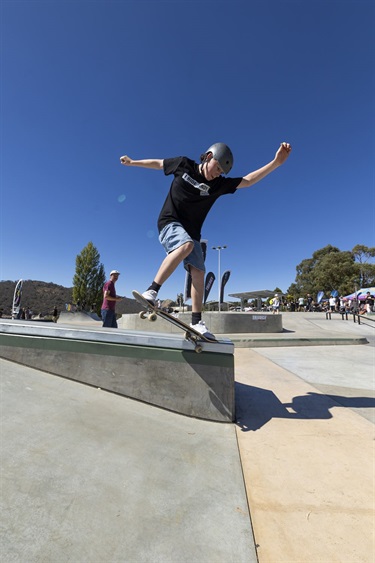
{"type": "Point", "coordinates": [338, 304]}
{"type": "Point", "coordinates": [24, 313]}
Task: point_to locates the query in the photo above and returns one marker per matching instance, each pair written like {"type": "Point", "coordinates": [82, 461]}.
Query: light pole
{"type": "Point", "coordinates": [219, 249]}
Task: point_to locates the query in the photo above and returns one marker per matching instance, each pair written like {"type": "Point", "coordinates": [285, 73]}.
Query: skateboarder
{"type": "Point", "coordinates": [193, 191]}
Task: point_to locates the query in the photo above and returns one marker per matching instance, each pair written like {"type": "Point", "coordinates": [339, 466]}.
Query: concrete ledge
{"type": "Point", "coordinates": [161, 370]}
{"type": "Point", "coordinates": [245, 341]}
{"type": "Point", "coordinates": [218, 323]}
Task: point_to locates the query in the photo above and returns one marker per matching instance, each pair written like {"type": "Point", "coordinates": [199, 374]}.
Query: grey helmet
{"type": "Point", "coordinates": [223, 155]}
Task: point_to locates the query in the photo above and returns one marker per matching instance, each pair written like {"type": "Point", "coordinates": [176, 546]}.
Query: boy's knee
{"type": "Point", "coordinates": [188, 247]}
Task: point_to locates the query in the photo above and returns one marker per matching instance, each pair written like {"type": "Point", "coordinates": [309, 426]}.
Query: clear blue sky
{"type": "Point", "coordinates": [86, 82]}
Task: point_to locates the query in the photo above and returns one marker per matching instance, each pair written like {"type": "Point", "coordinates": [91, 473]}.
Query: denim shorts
{"type": "Point", "coordinates": [172, 236]}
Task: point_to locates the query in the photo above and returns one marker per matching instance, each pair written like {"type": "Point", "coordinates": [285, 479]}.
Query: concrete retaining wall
{"type": "Point", "coordinates": [218, 323]}
{"type": "Point", "coordinates": [162, 370]}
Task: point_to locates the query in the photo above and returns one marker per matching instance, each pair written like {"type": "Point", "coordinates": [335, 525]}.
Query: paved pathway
{"type": "Point", "coordinates": [91, 477]}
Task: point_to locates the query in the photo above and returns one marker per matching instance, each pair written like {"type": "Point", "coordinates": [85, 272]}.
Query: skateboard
{"type": "Point", "coordinates": [152, 312]}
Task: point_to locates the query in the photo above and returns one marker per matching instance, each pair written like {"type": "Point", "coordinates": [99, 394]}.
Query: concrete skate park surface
{"type": "Point", "coordinates": [248, 330]}
{"type": "Point", "coordinates": [79, 318]}
{"type": "Point", "coordinates": [89, 476]}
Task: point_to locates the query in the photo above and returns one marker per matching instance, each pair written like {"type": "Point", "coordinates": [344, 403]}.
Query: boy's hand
{"type": "Point", "coordinates": [126, 160]}
{"type": "Point", "coordinates": [283, 153]}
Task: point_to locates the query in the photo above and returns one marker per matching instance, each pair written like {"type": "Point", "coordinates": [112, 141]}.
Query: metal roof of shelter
{"type": "Point", "coordinates": [262, 293]}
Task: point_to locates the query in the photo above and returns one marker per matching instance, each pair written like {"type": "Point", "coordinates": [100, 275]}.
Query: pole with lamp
{"type": "Point", "coordinates": [219, 249]}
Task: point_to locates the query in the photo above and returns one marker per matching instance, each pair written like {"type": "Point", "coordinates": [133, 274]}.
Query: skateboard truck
{"type": "Point", "coordinates": [151, 313]}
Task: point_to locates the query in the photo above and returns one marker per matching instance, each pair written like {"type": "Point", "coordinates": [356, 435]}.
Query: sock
{"type": "Point", "coordinates": [195, 318]}
{"type": "Point", "coordinates": [154, 286]}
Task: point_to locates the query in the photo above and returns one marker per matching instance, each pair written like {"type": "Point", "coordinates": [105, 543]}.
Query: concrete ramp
{"type": "Point", "coordinates": [79, 318]}
{"type": "Point", "coordinates": [159, 369]}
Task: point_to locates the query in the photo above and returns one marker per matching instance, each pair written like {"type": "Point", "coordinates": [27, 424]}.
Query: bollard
{"type": "Point", "coordinates": [359, 319]}
{"type": "Point", "coordinates": [328, 315]}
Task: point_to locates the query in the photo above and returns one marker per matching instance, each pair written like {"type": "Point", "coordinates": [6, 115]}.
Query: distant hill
{"type": "Point", "coordinates": [42, 297]}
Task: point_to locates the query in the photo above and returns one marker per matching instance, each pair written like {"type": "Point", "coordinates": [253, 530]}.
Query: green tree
{"type": "Point", "coordinates": [335, 271]}
{"type": "Point", "coordinates": [365, 269]}
{"type": "Point", "coordinates": [329, 268]}
{"type": "Point", "coordinates": [89, 278]}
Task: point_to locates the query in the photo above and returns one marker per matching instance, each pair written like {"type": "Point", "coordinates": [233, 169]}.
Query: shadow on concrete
{"type": "Point", "coordinates": [255, 407]}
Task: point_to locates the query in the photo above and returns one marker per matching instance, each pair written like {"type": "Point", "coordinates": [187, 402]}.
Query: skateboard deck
{"type": "Point", "coordinates": [152, 312]}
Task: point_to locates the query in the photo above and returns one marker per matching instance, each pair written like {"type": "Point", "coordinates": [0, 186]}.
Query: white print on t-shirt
{"type": "Point", "coordinates": [203, 188]}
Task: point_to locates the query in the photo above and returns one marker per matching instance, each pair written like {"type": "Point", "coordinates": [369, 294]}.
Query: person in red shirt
{"type": "Point", "coordinates": [108, 308]}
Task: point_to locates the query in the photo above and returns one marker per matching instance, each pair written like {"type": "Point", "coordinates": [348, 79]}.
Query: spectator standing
{"type": "Point", "coordinates": [108, 308]}
{"type": "Point", "coordinates": [332, 304]}
{"type": "Point", "coordinates": [342, 304]}
{"type": "Point", "coordinates": [55, 314]}
{"type": "Point", "coordinates": [301, 304]}
{"type": "Point", "coordinates": [275, 304]}
{"type": "Point", "coordinates": [369, 302]}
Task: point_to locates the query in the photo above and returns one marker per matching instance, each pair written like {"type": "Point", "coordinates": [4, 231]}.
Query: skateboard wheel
{"type": "Point", "coordinates": [152, 317]}
{"type": "Point", "coordinates": [192, 338]}
{"type": "Point", "coordinates": [143, 314]}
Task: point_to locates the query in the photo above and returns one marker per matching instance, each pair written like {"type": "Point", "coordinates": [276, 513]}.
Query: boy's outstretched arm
{"type": "Point", "coordinates": [153, 163]}
{"type": "Point", "coordinates": [254, 177]}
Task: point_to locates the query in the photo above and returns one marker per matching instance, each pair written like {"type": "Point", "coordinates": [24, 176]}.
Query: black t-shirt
{"type": "Point", "coordinates": [191, 196]}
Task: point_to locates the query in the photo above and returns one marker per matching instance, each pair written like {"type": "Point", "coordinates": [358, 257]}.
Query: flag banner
{"type": "Point", "coordinates": [224, 280]}
{"type": "Point", "coordinates": [17, 298]}
{"type": "Point", "coordinates": [334, 293]}
{"type": "Point", "coordinates": [187, 291]}
{"type": "Point", "coordinates": [320, 297]}
{"type": "Point", "coordinates": [210, 278]}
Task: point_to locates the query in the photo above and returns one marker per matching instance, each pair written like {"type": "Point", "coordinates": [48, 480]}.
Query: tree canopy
{"type": "Point", "coordinates": [89, 278]}
{"type": "Point", "coordinates": [330, 269]}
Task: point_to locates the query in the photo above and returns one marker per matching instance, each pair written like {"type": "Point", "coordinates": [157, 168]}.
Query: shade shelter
{"type": "Point", "coordinates": [258, 295]}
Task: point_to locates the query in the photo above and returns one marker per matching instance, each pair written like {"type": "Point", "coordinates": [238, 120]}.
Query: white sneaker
{"type": "Point", "coordinates": [201, 327]}
{"type": "Point", "coordinates": [151, 296]}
